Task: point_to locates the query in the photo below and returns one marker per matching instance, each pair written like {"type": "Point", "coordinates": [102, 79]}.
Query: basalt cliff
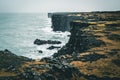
{"type": "Point", "coordinates": [92, 52]}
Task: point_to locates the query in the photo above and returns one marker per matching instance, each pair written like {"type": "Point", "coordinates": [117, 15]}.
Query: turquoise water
{"type": "Point", "coordinates": [18, 32]}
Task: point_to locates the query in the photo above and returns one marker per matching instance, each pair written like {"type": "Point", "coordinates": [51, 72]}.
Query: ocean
{"type": "Point", "coordinates": [18, 32]}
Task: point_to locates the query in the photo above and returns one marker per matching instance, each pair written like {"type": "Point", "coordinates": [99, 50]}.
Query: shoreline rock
{"type": "Point", "coordinates": [41, 42]}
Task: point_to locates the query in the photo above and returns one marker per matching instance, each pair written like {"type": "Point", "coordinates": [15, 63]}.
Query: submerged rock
{"type": "Point", "coordinates": [40, 51]}
{"type": "Point", "coordinates": [41, 42]}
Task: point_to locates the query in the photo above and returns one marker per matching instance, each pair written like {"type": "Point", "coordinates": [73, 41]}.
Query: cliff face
{"type": "Point", "coordinates": [61, 22]}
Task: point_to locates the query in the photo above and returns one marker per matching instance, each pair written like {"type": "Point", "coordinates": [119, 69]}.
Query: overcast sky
{"type": "Point", "coordinates": [58, 5]}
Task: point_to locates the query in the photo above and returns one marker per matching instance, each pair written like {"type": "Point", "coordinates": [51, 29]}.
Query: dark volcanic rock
{"type": "Point", "coordinates": [80, 40]}
{"type": "Point", "coordinates": [91, 57]}
{"type": "Point", "coordinates": [9, 78]}
{"type": "Point", "coordinates": [115, 37]}
{"type": "Point", "coordinates": [41, 42]}
{"type": "Point", "coordinates": [53, 47]}
{"type": "Point", "coordinates": [29, 75]}
{"type": "Point", "coordinates": [92, 77]}
{"type": "Point", "coordinates": [50, 60]}
{"type": "Point", "coordinates": [113, 52]}
{"type": "Point", "coordinates": [47, 76]}
{"type": "Point", "coordinates": [116, 62]}
{"type": "Point", "coordinates": [11, 61]}
{"type": "Point", "coordinates": [61, 22]}
{"type": "Point", "coordinates": [57, 70]}
{"type": "Point", "coordinates": [113, 28]}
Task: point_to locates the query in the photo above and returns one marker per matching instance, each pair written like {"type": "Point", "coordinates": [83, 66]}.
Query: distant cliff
{"type": "Point", "coordinates": [61, 21]}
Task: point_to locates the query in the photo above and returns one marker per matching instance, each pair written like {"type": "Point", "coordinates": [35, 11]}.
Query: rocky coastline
{"type": "Point", "coordinates": [92, 53]}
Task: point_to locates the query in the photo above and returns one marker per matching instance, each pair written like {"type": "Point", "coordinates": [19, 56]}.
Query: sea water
{"type": "Point", "coordinates": [18, 32]}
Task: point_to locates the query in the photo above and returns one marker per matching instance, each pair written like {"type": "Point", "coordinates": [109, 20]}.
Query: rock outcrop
{"type": "Point", "coordinates": [10, 61]}
{"type": "Point", "coordinates": [41, 42]}
{"type": "Point", "coordinates": [61, 21]}
{"type": "Point", "coordinates": [80, 40]}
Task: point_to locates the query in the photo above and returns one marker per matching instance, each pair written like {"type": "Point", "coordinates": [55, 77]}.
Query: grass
{"type": "Point", "coordinates": [7, 74]}
{"type": "Point", "coordinates": [31, 64]}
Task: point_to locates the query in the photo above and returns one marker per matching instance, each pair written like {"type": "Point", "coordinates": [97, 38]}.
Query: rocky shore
{"type": "Point", "coordinates": [92, 53]}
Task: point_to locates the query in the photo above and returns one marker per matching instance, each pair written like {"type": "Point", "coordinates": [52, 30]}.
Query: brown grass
{"type": "Point", "coordinates": [5, 74]}
{"type": "Point", "coordinates": [36, 62]}
{"type": "Point", "coordinates": [100, 68]}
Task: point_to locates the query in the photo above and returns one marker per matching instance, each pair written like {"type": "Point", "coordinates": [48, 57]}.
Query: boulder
{"type": "Point", "coordinates": [10, 61]}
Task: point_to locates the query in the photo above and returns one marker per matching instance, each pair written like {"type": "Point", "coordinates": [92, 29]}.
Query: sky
{"type": "Point", "coordinates": [36, 6]}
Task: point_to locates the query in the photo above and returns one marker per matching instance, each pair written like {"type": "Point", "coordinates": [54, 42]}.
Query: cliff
{"type": "Point", "coordinates": [94, 47]}
{"type": "Point", "coordinates": [92, 53]}
{"type": "Point", "coordinates": [61, 21]}
{"type": "Point", "coordinates": [80, 39]}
